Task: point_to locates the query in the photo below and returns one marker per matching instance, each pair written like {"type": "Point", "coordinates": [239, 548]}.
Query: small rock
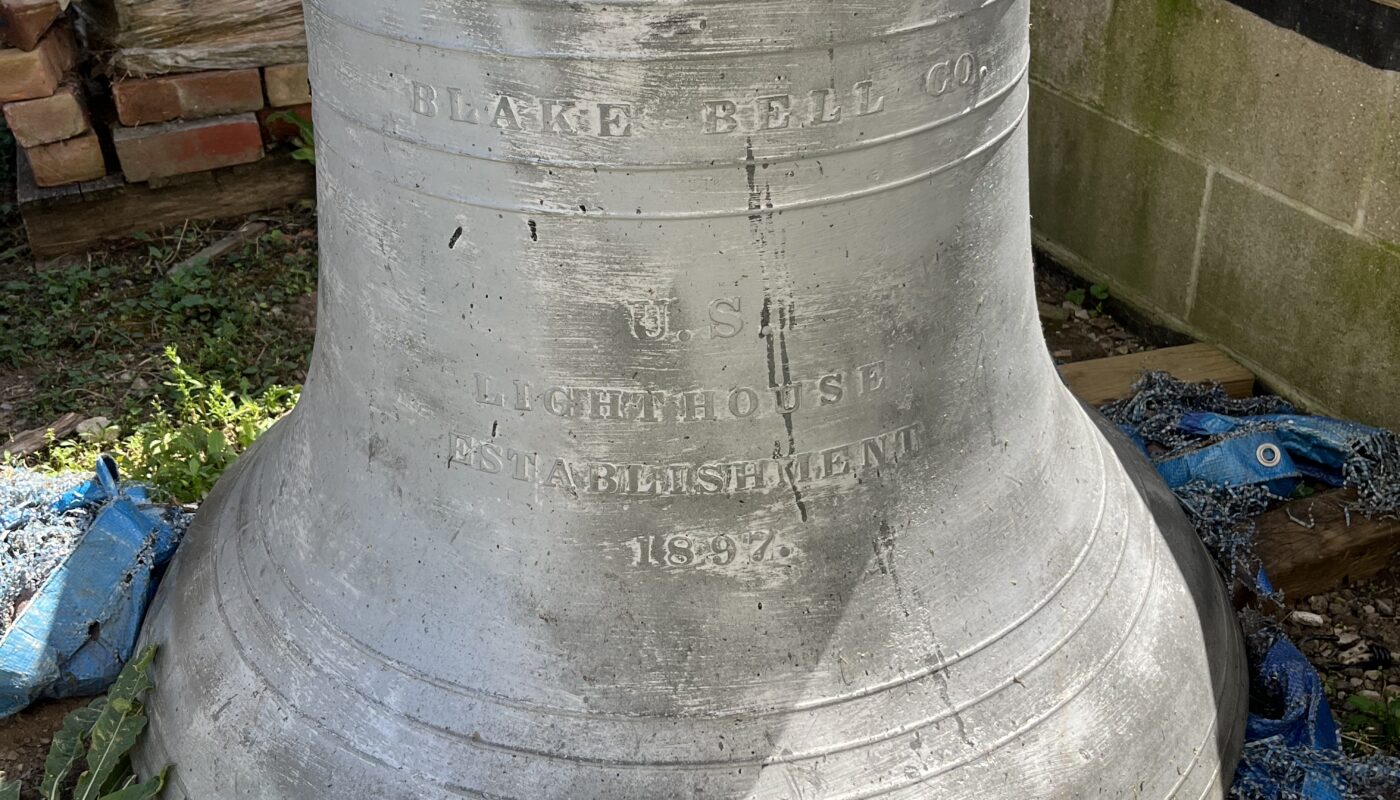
{"type": "Point", "coordinates": [1370, 694]}
{"type": "Point", "coordinates": [1372, 674]}
{"type": "Point", "coordinates": [1368, 610]}
{"type": "Point", "coordinates": [1317, 603]}
{"type": "Point", "coordinates": [1063, 354]}
{"type": "Point", "coordinates": [1055, 313]}
{"type": "Point", "coordinates": [1357, 682]}
{"type": "Point", "coordinates": [1308, 618]}
{"type": "Point", "coordinates": [1393, 689]}
{"type": "Point", "coordinates": [93, 427]}
{"type": "Point", "coordinates": [1385, 607]}
{"type": "Point", "coordinates": [1346, 639]}
{"type": "Point", "coordinates": [1081, 314]}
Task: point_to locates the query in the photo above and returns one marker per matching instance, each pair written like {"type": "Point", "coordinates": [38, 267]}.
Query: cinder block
{"type": "Point", "coordinates": [1067, 45]}
{"type": "Point", "coordinates": [27, 74]}
{"type": "Point", "coordinates": [277, 127]}
{"type": "Point", "coordinates": [26, 21]}
{"type": "Point", "coordinates": [1383, 206]}
{"type": "Point", "coordinates": [195, 95]}
{"type": "Point", "coordinates": [287, 85]}
{"type": "Point", "coordinates": [62, 115]}
{"type": "Point", "coordinates": [69, 161]}
{"type": "Point", "coordinates": [1248, 95]}
{"type": "Point", "coordinates": [1307, 299]}
{"type": "Point", "coordinates": [178, 148]}
{"type": "Point", "coordinates": [1125, 205]}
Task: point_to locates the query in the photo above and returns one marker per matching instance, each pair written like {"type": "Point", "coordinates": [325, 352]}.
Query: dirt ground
{"type": "Point", "coordinates": [24, 741]}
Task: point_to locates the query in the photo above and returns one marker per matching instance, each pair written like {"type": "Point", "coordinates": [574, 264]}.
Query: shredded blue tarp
{"type": "Point", "coordinates": [79, 563]}
{"type": "Point", "coordinates": [1228, 460]}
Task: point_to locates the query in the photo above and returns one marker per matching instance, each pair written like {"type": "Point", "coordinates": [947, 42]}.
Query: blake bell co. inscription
{"type": "Point", "coordinates": [754, 112]}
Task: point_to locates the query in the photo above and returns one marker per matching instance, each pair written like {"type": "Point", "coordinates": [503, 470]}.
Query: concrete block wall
{"type": "Point", "coordinates": [1232, 179]}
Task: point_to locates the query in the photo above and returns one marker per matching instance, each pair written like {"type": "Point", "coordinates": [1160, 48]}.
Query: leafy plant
{"type": "Point", "coordinates": [1098, 291]}
{"type": "Point", "coordinates": [305, 140]}
{"type": "Point", "coordinates": [182, 451]}
{"type": "Point", "coordinates": [1375, 718]}
{"type": "Point", "coordinates": [88, 335]}
{"type": "Point", "coordinates": [100, 736]}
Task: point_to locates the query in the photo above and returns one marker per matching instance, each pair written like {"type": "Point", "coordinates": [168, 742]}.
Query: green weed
{"type": "Point", "coordinates": [182, 448]}
{"type": "Point", "coordinates": [89, 337]}
{"type": "Point", "coordinates": [304, 141]}
{"type": "Point", "coordinates": [101, 735]}
{"type": "Point", "coordinates": [1374, 722]}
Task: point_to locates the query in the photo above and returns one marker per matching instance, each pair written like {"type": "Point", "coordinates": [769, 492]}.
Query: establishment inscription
{"type": "Point", "coordinates": [576, 477]}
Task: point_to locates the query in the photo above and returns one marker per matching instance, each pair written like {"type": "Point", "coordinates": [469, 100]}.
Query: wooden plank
{"type": "Point", "coordinates": [234, 241]}
{"type": "Point", "coordinates": [1308, 548]}
{"type": "Point", "coordinates": [74, 218]}
{"type": "Point", "coordinates": [1106, 379]}
{"type": "Point", "coordinates": [32, 441]}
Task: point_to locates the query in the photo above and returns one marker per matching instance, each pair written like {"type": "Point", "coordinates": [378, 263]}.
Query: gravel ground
{"type": "Point", "coordinates": [1075, 333]}
{"type": "Point", "coordinates": [1350, 635]}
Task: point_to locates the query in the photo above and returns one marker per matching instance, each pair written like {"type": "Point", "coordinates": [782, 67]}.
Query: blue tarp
{"type": "Point", "coordinates": [1226, 461]}
{"type": "Point", "coordinates": [75, 634]}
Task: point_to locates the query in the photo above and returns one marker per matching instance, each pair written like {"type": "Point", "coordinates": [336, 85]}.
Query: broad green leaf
{"type": "Point", "coordinates": [1365, 705]}
{"type": "Point", "coordinates": [122, 777]}
{"type": "Point", "coordinates": [67, 747]}
{"type": "Point", "coordinates": [113, 736]}
{"type": "Point", "coordinates": [135, 678]}
{"type": "Point", "coordinates": [117, 727]}
{"type": "Point", "coordinates": [140, 791]}
{"type": "Point", "coordinates": [9, 791]}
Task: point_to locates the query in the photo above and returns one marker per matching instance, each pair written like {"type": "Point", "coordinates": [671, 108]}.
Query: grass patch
{"type": "Point", "coordinates": [186, 366]}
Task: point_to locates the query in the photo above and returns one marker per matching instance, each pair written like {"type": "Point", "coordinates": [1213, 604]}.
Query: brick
{"type": "Point", "coordinates": [279, 129]}
{"type": "Point", "coordinates": [195, 95]}
{"type": "Point", "coordinates": [60, 116]}
{"type": "Point", "coordinates": [178, 148]}
{"type": "Point", "coordinates": [26, 21]}
{"type": "Point", "coordinates": [27, 74]}
{"type": "Point", "coordinates": [69, 161]}
{"type": "Point", "coordinates": [287, 85]}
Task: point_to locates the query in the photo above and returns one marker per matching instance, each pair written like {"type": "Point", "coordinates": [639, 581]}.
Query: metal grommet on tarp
{"type": "Point", "coordinates": [1268, 455]}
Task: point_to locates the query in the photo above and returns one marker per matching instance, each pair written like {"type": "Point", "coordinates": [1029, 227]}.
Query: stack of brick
{"type": "Point", "coordinates": [199, 121]}
{"type": "Point", "coordinates": [43, 103]}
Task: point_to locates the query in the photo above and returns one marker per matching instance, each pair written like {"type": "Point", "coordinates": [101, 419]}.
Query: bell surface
{"type": "Point", "coordinates": [680, 426]}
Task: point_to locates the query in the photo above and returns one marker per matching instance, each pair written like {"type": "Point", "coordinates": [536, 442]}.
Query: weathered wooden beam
{"type": "Point", "coordinates": [1310, 546]}
{"type": "Point", "coordinates": [32, 441]}
{"type": "Point", "coordinates": [1106, 379]}
{"type": "Point", "coordinates": [73, 218]}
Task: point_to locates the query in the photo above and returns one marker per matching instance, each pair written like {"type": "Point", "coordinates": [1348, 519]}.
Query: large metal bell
{"type": "Point", "coordinates": [680, 427]}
